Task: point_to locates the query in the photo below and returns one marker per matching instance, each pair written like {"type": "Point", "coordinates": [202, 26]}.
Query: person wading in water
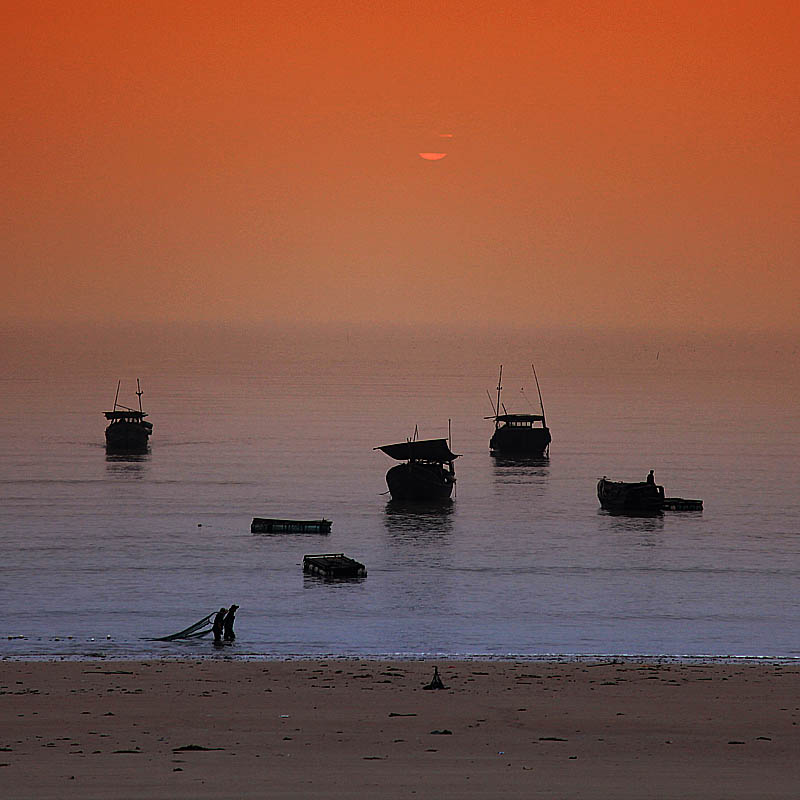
{"type": "Point", "coordinates": [227, 623]}
{"type": "Point", "coordinates": [216, 628]}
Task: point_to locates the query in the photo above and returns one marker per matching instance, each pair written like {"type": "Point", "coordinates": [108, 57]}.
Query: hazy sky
{"type": "Point", "coordinates": [616, 163]}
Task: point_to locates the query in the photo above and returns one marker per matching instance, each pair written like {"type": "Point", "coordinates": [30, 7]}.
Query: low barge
{"type": "Point", "coordinates": [263, 525]}
{"type": "Point", "coordinates": [333, 565]}
{"type": "Point", "coordinates": [682, 504]}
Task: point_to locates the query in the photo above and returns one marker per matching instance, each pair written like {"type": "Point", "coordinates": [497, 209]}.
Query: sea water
{"type": "Point", "coordinates": [101, 554]}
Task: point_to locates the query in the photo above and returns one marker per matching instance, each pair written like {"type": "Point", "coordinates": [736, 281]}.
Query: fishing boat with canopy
{"type": "Point", "coordinates": [128, 431]}
{"type": "Point", "coordinates": [519, 434]}
{"type": "Point", "coordinates": [428, 472]}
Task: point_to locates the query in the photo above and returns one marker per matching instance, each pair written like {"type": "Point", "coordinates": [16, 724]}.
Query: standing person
{"type": "Point", "coordinates": [216, 628]}
{"type": "Point", "coordinates": [227, 623]}
{"type": "Point", "coordinates": [651, 479]}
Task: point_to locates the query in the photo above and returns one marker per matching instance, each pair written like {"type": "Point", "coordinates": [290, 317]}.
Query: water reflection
{"type": "Point", "coordinates": [127, 465]}
{"type": "Point", "coordinates": [418, 520]}
{"type": "Point", "coordinates": [520, 471]}
{"type": "Point", "coordinates": [312, 581]}
{"type": "Point", "coordinates": [643, 522]}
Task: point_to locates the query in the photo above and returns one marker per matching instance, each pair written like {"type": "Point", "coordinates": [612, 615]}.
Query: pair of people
{"type": "Point", "coordinates": [223, 624]}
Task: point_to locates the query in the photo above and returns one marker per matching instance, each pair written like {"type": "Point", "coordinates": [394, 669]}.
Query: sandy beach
{"type": "Point", "coordinates": [346, 728]}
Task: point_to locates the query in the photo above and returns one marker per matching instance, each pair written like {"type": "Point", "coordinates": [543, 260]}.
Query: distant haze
{"type": "Point", "coordinates": [608, 163]}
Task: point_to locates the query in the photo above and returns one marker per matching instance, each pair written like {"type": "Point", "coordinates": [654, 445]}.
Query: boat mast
{"type": "Point", "coordinates": [540, 394]}
{"type": "Point", "coordinates": [139, 395]}
{"type": "Point", "coordinates": [450, 445]}
{"type": "Point", "coordinates": [499, 387]}
{"type": "Point", "coordinates": [116, 396]}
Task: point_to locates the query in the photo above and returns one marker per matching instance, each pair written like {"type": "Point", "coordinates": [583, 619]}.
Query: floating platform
{"type": "Point", "coordinates": [260, 525]}
{"type": "Point", "coordinates": [333, 565]}
{"type": "Point", "coordinates": [682, 504]}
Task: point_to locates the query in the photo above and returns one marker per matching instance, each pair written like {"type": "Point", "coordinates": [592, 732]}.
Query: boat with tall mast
{"type": "Point", "coordinates": [128, 431]}
{"type": "Point", "coordinates": [428, 472]}
{"type": "Point", "coordinates": [519, 434]}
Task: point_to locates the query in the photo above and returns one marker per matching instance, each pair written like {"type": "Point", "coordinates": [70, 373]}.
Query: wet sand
{"type": "Point", "coordinates": [350, 728]}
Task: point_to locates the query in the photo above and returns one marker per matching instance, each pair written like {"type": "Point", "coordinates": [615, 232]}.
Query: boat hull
{"type": "Point", "coordinates": [527, 441]}
{"type": "Point", "coordinates": [630, 497]}
{"type": "Point", "coordinates": [420, 482]}
{"type": "Point", "coordinates": [127, 437]}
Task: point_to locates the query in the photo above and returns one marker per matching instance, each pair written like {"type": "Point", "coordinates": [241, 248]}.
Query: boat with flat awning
{"type": "Point", "coordinates": [427, 474]}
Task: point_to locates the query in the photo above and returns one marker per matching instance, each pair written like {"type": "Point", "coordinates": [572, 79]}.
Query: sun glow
{"type": "Point", "coordinates": [432, 156]}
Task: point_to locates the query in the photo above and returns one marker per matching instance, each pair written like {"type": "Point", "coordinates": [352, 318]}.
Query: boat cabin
{"type": "Point", "coordinates": [519, 420]}
{"type": "Point", "coordinates": [127, 415]}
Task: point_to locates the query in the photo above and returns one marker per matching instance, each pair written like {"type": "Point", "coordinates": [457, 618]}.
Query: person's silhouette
{"type": "Point", "coordinates": [436, 681]}
{"type": "Point", "coordinates": [216, 628]}
{"type": "Point", "coordinates": [227, 623]}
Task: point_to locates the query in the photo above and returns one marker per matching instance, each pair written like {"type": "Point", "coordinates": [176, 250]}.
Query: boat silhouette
{"type": "Point", "coordinates": [128, 431]}
{"type": "Point", "coordinates": [521, 434]}
{"type": "Point", "coordinates": [428, 472]}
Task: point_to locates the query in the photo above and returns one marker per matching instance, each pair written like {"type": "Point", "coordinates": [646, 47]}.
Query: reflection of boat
{"type": "Point", "coordinates": [418, 521]}
{"type": "Point", "coordinates": [128, 432]}
{"type": "Point", "coordinates": [519, 433]}
{"type": "Point", "coordinates": [428, 472]}
{"type": "Point", "coordinates": [521, 470]}
{"type": "Point", "coordinates": [622, 496]}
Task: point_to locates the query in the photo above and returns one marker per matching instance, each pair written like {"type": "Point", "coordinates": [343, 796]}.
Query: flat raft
{"type": "Point", "coordinates": [333, 565]}
{"type": "Point", "coordinates": [262, 525]}
{"type": "Point", "coordinates": [682, 504]}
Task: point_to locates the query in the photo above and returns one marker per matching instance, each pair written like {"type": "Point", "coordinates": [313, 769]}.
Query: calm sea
{"type": "Point", "coordinates": [100, 555]}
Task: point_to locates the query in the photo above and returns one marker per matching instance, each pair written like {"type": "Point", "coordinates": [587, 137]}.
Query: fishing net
{"type": "Point", "coordinates": [200, 628]}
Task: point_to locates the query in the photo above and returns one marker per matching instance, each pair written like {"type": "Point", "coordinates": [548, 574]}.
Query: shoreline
{"type": "Point", "coordinates": [545, 658]}
{"type": "Point", "coordinates": [336, 727]}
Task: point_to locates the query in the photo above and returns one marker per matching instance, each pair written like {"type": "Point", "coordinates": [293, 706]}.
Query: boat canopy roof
{"type": "Point", "coordinates": [125, 414]}
{"type": "Point", "coordinates": [420, 450]}
{"type": "Point", "coordinates": [519, 418]}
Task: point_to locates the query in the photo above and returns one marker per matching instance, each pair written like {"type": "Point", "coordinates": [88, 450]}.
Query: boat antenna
{"type": "Point", "coordinates": [139, 395]}
{"type": "Point", "coordinates": [540, 394]}
{"type": "Point", "coordinates": [449, 435]}
{"type": "Point", "coordinates": [522, 392]}
{"type": "Point", "coordinates": [499, 387]}
{"type": "Point", "coordinates": [116, 396]}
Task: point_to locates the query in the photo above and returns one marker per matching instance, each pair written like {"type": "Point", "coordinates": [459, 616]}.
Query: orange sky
{"type": "Point", "coordinates": [625, 163]}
